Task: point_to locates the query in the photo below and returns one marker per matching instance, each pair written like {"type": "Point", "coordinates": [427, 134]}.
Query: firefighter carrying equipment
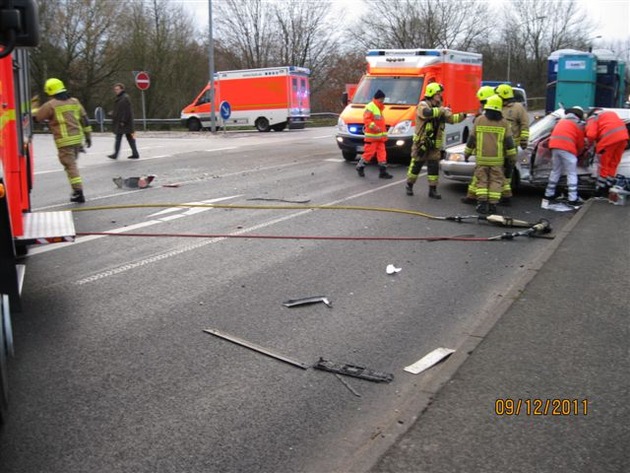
{"type": "Point", "coordinates": [54, 86]}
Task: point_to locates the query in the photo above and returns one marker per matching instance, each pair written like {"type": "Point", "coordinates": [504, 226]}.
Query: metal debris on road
{"type": "Point", "coordinates": [347, 385]}
{"type": "Point", "coordinates": [307, 300]}
{"type": "Point", "coordinates": [429, 360]}
{"type": "Point", "coordinates": [258, 348]}
{"type": "Point", "coordinates": [140, 182]}
{"type": "Point", "coordinates": [354, 371]}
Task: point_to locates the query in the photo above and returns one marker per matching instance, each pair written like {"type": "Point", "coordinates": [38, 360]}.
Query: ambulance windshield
{"type": "Point", "coordinates": [398, 90]}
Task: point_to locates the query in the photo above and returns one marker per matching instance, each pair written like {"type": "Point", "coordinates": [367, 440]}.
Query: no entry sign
{"type": "Point", "coordinates": [142, 80]}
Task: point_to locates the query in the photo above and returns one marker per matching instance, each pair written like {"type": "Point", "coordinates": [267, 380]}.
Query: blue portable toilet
{"type": "Point", "coordinates": [577, 76]}
{"type": "Point", "coordinates": [608, 85]}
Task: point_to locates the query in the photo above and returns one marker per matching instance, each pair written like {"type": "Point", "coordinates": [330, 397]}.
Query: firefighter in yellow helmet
{"type": "Point", "coordinates": [483, 94]}
{"type": "Point", "coordinates": [70, 127]}
{"type": "Point", "coordinates": [491, 142]}
{"type": "Point", "coordinates": [517, 117]}
{"type": "Point", "coordinates": [428, 138]}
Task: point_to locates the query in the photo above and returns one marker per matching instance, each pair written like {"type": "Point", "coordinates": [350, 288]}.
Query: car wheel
{"type": "Point", "coordinates": [194, 124]}
{"type": "Point", "coordinates": [349, 155]}
{"type": "Point", "coordinates": [262, 124]}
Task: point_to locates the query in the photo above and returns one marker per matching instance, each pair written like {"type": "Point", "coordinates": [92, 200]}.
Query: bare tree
{"type": "Point", "coordinates": [421, 24]}
{"type": "Point", "coordinates": [246, 28]}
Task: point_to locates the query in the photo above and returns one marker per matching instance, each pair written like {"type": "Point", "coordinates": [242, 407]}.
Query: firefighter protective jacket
{"type": "Point", "coordinates": [568, 135]}
{"type": "Point", "coordinates": [430, 124]}
{"type": "Point", "coordinates": [67, 120]}
{"type": "Point", "coordinates": [374, 122]}
{"type": "Point", "coordinates": [491, 142]}
{"type": "Point", "coordinates": [605, 128]}
{"type": "Point", "coordinates": [517, 117]}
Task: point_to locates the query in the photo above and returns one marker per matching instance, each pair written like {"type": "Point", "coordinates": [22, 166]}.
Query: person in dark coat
{"type": "Point", "coordinates": [122, 122]}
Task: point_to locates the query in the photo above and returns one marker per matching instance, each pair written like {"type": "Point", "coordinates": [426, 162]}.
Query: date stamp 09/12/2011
{"type": "Point", "coordinates": [541, 407]}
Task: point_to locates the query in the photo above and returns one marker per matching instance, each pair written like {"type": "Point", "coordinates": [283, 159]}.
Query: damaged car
{"type": "Point", "coordinates": [533, 164]}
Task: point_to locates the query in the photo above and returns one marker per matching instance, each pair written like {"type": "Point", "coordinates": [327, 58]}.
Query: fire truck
{"type": "Point", "coordinates": [19, 226]}
{"type": "Point", "coordinates": [403, 74]}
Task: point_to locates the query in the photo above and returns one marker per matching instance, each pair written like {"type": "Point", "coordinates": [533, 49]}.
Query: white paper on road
{"type": "Point", "coordinates": [391, 269]}
{"type": "Point", "coordinates": [429, 360]}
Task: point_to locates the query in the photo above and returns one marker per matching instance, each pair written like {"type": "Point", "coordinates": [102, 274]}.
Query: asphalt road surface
{"type": "Point", "coordinates": [113, 371]}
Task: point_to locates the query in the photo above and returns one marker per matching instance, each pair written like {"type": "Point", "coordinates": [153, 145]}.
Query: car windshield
{"type": "Point", "coordinates": [398, 90]}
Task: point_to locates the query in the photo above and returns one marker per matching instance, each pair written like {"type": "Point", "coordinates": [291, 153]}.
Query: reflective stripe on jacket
{"type": "Point", "coordinates": [606, 128]}
{"type": "Point", "coordinates": [374, 122]}
{"type": "Point", "coordinates": [67, 120]}
{"type": "Point", "coordinates": [568, 136]}
{"type": "Point", "coordinates": [491, 141]}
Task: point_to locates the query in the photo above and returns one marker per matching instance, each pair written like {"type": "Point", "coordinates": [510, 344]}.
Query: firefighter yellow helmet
{"type": "Point", "coordinates": [432, 89]}
{"type": "Point", "coordinates": [494, 102]}
{"type": "Point", "coordinates": [505, 91]}
{"type": "Point", "coordinates": [484, 92]}
{"type": "Point", "coordinates": [54, 86]}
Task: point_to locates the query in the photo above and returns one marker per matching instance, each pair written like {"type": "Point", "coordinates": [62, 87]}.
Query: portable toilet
{"type": "Point", "coordinates": [577, 76]}
{"type": "Point", "coordinates": [607, 87]}
{"type": "Point", "coordinates": [552, 78]}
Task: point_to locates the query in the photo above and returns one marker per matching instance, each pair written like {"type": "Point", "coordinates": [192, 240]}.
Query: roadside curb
{"type": "Point", "coordinates": [435, 379]}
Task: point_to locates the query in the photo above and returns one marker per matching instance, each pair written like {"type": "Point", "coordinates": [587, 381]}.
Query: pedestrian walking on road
{"type": "Point", "coordinates": [428, 138]}
{"type": "Point", "coordinates": [610, 135]}
{"type": "Point", "coordinates": [122, 122]}
{"type": "Point", "coordinates": [566, 144]}
{"type": "Point", "coordinates": [491, 142]}
{"type": "Point", "coordinates": [375, 136]}
{"type": "Point", "coordinates": [70, 126]}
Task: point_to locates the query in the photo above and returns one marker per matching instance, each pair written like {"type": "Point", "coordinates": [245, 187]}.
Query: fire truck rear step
{"type": "Point", "coordinates": [47, 227]}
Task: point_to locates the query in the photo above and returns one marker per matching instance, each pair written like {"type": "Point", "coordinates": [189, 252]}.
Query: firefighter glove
{"type": "Point", "coordinates": [523, 144]}
{"type": "Point", "coordinates": [466, 157]}
{"type": "Point", "coordinates": [88, 141]}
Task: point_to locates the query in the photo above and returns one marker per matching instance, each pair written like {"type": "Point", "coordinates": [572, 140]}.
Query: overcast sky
{"type": "Point", "coordinates": [611, 16]}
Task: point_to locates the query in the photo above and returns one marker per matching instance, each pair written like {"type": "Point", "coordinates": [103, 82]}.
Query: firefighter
{"type": "Point", "coordinates": [483, 93]}
{"type": "Point", "coordinates": [491, 141]}
{"type": "Point", "coordinates": [566, 144]}
{"type": "Point", "coordinates": [609, 134]}
{"type": "Point", "coordinates": [375, 136]}
{"type": "Point", "coordinates": [517, 117]}
{"type": "Point", "coordinates": [69, 125]}
{"type": "Point", "coordinates": [431, 119]}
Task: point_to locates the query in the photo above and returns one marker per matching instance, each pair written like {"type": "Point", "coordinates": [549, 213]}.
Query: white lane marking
{"type": "Point", "coordinates": [169, 254]}
{"type": "Point", "coordinates": [128, 228]}
{"type": "Point", "coordinates": [335, 160]}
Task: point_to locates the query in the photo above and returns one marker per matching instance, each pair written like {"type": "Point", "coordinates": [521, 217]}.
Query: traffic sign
{"type": "Point", "coordinates": [143, 81]}
{"type": "Point", "coordinates": [225, 109]}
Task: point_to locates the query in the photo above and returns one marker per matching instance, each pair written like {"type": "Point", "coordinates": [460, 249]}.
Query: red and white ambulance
{"type": "Point", "coordinates": [403, 74]}
{"type": "Point", "coordinates": [270, 99]}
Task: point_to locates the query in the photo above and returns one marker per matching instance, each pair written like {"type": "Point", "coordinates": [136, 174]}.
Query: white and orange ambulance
{"type": "Point", "coordinates": [403, 74]}
{"type": "Point", "coordinates": [270, 99]}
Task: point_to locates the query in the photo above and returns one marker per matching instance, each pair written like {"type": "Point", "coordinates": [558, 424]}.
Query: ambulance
{"type": "Point", "coordinates": [403, 74]}
{"type": "Point", "coordinates": [269, 99]}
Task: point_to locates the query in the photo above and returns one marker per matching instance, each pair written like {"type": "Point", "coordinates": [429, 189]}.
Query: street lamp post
{"type": "Point", "coordinates": [509, 50]}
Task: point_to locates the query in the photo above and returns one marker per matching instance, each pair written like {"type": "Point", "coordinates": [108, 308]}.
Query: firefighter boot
{"type": "Point", "coordinates": [433, 193]}
{"type": "Point", "coordinates": [409, 188]}
{"type": "Point", "coordinates": [361, 168]}
{"type": "Point", "coordinates": [492, 209]}
{"type": "Point", "coordinates": [482, 208]}
{"type": "Point", "coordinates": [77, 196]}
{"type": "Point", "coordinates": [383, 174]}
